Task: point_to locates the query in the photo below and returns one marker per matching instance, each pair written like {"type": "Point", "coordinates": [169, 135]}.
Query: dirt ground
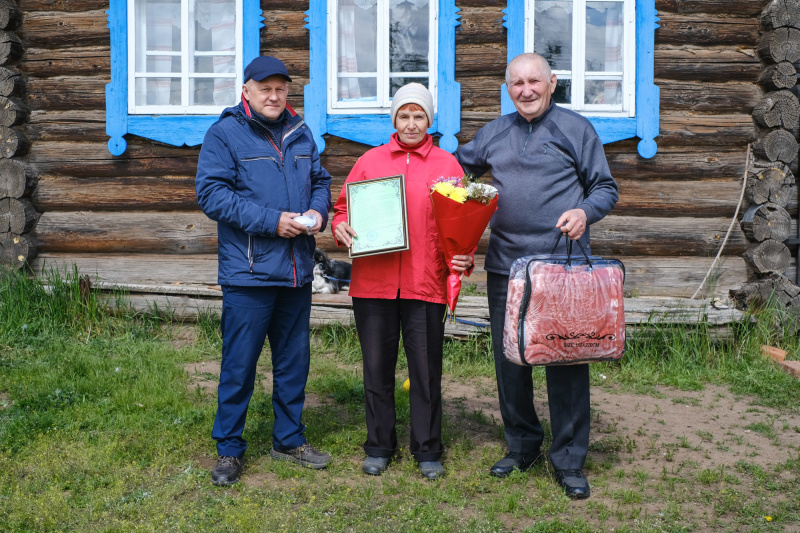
{"type": "Point", "coordinates": [686, 434]}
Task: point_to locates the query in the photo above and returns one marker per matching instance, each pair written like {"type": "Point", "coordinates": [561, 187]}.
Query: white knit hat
{"type": "Point", "coordinates": [413, 93]}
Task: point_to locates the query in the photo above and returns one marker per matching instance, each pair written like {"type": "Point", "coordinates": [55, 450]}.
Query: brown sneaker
{"type": "Point", "coordinates": [305, 455]}
{"type": "Point", "coordinates": [227, 470]}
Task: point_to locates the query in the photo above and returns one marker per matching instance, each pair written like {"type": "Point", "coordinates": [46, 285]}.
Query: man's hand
{"type": "Point", "coordinates": [344, 234]}
{"type": "Point", "coordinates": [315, 213]}
{"type": "Point", "coordinates": [461, 263]}
{"type": "Point", "coordinates": [288, 228]}
{"type": "Point", "coordinates": [573, 223]}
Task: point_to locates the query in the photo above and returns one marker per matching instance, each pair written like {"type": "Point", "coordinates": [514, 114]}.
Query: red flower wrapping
{"type": "Point", "coordinates": [460, 228]}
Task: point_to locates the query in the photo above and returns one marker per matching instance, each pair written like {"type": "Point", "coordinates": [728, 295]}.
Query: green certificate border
{"type": "Point", "coordinates": [376, 210]}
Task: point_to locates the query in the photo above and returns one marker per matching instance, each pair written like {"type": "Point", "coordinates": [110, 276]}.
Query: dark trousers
{"type": "Point", "coordinates": [250, 315]}
{"type": "Point", "coordinates": [567, 392]}
{"type": "Point", "coordinates": [378, 322]}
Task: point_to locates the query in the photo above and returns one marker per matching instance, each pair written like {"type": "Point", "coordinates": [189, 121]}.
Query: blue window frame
{"type": "Point", "coordinates": [645, 122]}
{"type": "Point", "coordinates": [371, 128]}
{"type": "Point", "coordinates": [175, 129]}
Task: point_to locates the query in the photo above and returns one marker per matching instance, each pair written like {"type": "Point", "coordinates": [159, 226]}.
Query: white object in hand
{"type": "Point", "coordinates": [308, 221]}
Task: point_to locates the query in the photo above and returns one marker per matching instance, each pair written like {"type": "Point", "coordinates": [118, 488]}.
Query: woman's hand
{"type": "Point", "coordinates": [344, 234]}
{"type": "Point", "coordinates": [461, 263]}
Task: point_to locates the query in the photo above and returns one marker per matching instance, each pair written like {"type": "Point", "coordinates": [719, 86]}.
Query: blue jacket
{"type": "Point", "coordinates": [244, 183]}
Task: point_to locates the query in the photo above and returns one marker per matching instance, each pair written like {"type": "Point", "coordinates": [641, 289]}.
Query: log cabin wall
{"type": "Point", "coordinates": [133, 218]}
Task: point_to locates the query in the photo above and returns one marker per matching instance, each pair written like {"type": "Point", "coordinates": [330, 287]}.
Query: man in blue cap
{"type": "Point", "coordinates": [259, 176]}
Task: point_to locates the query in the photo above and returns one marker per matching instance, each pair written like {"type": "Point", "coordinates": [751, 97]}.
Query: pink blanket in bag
{"type": "Point", "coordinates": [574, 314]}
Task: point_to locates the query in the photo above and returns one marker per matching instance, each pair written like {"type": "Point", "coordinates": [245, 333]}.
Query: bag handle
{"type": "Point", "coordinates": [526, 295]}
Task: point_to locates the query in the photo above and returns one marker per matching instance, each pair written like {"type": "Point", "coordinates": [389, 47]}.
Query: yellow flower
{"type": "Point", "coordinates": [768, 518]}
{"type": "Point", "coordinates": [458, 194]}
{"type": "Point", "coordinates": [444, 188]}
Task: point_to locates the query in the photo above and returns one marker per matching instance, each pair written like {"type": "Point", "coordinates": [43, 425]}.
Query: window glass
{"type": "Point", "coordinates": [604, 32]}
{"type": "Point", "coordinates": [553, 32]}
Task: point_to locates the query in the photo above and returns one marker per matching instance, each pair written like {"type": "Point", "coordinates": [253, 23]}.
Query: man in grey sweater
{"type": "Point", "coordinates": [552, 175]}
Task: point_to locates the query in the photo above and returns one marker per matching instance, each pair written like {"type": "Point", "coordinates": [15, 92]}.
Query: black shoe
{"type": "Point", "coordinates": [512, 460]}
{"type": "Point", "coordinates": [305, 455]}
{"type": "Point", "coordinates": [227, 470]}
{"type": "Point", "coordinates": [574, 483]}
{"type": "Point", "coordinates": [375, 466]}
{"type": "Point", "coordinates": [431, 469]}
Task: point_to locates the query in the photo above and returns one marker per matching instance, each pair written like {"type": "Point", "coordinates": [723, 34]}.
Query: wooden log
{"type": "Point", "coordinates": [780, 13]}
{"type": "Point", "coordinates": [68, 6]}
{"type": "Point", "coordinates": [782, 44]}
{"type": "Point", "coordinates": [192, 232]}
{"type": "Point", "coordinates": [706, 63]}
{"type": "Point", "coordinates": [773, 184]}
{"type": "Point", "coordinates": [11, 82]}
{"type": "Point", "coordinates": [62, 125]}
{"type": "Point", "coordinates": [767, 257]}
{"type": "Point", "coordinates": [679, 128]}
{"type": "Point", "coordinates": [730, 97]}
{"type": "Point", "coordinates": [480, 59]}
{"type": "Point", "coordinates": [482, 26]}
{"type": "Point", "coordinates": [66, 93]}
{"type": "Point", "coordinates": [704, 29]}
{"type": "Point", "coordinates": [16, 179]}
{"type": "Point", "coordinates": [667, 198]}
{"type": "Point", "coordinates": [54, 29]}
{"type": "Point", "coordinates": [74, 61]}
{"type": "Point", "coordinates": [11, 48]}
{"type": "Point", "coordinates": [746, 8]}
{"type": "Point", "coordinates": [758, 293]}
{"type": "Point", "coordinates": [13, 143]}
{"type": "Point", "coordinates": [58, 193]}
{"type": "Point", "coordinates": [10, 16]}
{"type": "Point", "coordinates": [12, 111]}
{"type": "Point", "coordinates": [16, 250]}
{"type": "Point", "coordinates": [778, 109]}
{"type": "Point", "coordinates": [782, 75]}
{"type": "Point", "coordinates": [673, 162]}
{"type": "Point", "coordinates": [777, 145]}
{"type": "Point", "coordinates": [766, 221]}
{"type": "Point", "coordinates": [16, 215]}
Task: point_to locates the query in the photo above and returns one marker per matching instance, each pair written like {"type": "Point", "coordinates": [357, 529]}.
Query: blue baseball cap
{"type": "Point", "coordinates": [263, 67]}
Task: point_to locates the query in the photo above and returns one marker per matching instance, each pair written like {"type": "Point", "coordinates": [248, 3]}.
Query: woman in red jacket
{"type": "Point", "coordinates": [403, 290]}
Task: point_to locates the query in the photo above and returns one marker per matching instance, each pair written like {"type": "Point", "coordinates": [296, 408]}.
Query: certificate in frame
{"type": "Point", "coordinates": [376, 210]}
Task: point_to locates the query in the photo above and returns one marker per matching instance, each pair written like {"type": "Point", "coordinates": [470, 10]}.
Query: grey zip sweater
{"type": "Point", "coordinates": [538, 179]}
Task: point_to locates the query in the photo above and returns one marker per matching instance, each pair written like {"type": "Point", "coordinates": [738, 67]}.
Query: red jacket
{"type": "Point", "coordinates": [419, 272]}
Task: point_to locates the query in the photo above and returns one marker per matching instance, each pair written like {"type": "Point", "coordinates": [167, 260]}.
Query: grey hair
{"type": "Point", "coordinates": [544, 65]}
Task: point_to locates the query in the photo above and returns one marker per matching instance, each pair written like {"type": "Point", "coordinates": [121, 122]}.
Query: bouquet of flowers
{"type": "Point", "coordinates": [462, 213]}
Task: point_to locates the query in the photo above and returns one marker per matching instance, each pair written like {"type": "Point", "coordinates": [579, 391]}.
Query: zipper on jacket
{"type": "Point", "coordinates": [530, 130]}
{"type": "Point", "coordinates": [294, 268]}
{"type": "Point", "coordinates": [250, 252]}
{"type": "Point", "coordinates": [263, 157]}
{"type": "Point", "coordinates": [300, 157]}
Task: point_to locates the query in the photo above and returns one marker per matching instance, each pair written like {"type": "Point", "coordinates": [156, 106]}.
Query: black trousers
{"type": "Point", "coordinates": [567, 392]}
{"type": "Point", "coordinates": [379, 322]}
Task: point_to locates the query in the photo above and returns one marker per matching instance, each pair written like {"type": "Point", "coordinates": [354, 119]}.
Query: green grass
{"type": "Point", "coordinates": [102, 429]}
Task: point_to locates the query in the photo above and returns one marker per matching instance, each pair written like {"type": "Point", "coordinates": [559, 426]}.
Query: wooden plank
{"type": "Point", "coordinates": [84, 61]}
{"type": "Point", "coordinates": [645, 276]}
{"type": "Point", "coordinates": [62, 93]}
{"type": "Point", "coordinates": [64, 5]}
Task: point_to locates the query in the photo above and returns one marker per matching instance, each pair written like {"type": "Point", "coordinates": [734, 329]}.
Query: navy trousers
{"type": "Point", "coordinates": [567, 392]}
{"type": "Point", "coordinates": [250, 315]}
{"type": "Point", "coordinates": [378, 322]}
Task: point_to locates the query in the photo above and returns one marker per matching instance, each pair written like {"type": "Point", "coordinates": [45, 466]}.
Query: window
{"type": "Point", "coordinates": [362, 51]}
{"type": "Point", "coordinates": [394, 45]}
{"type": "Point", "coordinates": [601, 51]}
{"type": "Point", "coordinates": [176, 64]}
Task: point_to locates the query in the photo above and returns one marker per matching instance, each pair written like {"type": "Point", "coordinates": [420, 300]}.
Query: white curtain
{"type": "Point", "coordinates": [347, 60]}
{"type": "Point", "coordinates": [162, 27]}
{"type": "Point", "coordinates": [219, 16]}
{"type": "Point", "coordinates": [613, 52]}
